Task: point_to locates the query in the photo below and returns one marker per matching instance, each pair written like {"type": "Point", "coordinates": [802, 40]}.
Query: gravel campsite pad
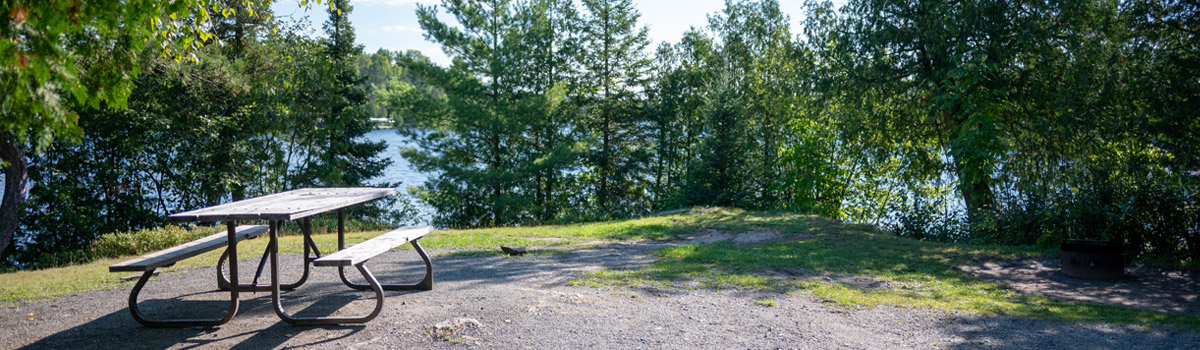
{"type": "Point", "coordinates": [488, 301]}
{"type": "Point", "coordinates": [1144, 288]}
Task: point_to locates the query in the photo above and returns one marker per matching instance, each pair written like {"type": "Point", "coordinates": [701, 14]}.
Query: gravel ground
{"type": "Point", "coordinates": [1143, 288]}
{"type": "Point", "coordinates": [524, 303]}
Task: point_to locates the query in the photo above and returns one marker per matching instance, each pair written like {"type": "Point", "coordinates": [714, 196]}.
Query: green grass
{"type": "Point", "coordinates": [48, 283]}
{"type": "Point", "coordinates": [817, 257]}
{"type": "Point", "coordinates": [904, 272]}
{"type": "Point", "coordinates": [765, 302]}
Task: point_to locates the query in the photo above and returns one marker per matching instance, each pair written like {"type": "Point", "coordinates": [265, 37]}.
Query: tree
{"type": "Point", "coordinates": [941, 75]}
{"type": "Point", "coordinates": [336, 154]}
{"type": "Point", "coordinates": [379, 73]}
{"type": "Point", "coordinates": [55, 50]}
{"type": "Point", "coordinates": [475, 128]}
{"type": "Point", "coordinates": [614, 66]}
{"type": "Point", "coordinates": [194, 133]}
{"type": "Point", "coordinates": [719, 173]}
{"type": "Point", "coordinates": [681, 74]}
{"type": "Point", "coordinates": [1165, 55]}
{"type": "Point", "coordinates": [549, 39]}
{"type": "Point", "coordinates": [756, 40]}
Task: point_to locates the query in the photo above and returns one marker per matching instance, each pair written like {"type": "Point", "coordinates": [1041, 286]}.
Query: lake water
{"type": "Point", "coordinates": [400, 170]}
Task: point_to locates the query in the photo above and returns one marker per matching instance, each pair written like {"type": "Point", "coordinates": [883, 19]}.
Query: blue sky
{"type": "Point", "coordinates": [392, 24]}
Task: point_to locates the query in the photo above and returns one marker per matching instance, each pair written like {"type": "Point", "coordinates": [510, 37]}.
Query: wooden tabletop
{"type": "Point", "coordinates": [288, 205]}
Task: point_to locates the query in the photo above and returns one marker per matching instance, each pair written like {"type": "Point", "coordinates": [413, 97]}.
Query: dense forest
{"type": "Point", "coordinates": [978, 120]}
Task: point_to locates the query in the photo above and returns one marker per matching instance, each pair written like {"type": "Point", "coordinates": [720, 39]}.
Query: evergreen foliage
{"type": "Point", "coordinates": [613, 68]}
{"type": "Point", "coordinates": [341, 158]}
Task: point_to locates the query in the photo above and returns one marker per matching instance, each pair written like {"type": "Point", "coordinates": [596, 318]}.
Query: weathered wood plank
{"type": "Point", "coordinates": [290, 202]}
{"type": "Point", "coordinates": [373, 247]}
{"type": "Point", "coordinates": [289, 205]}
{"type": "Point", "coordinates": [183, 251]}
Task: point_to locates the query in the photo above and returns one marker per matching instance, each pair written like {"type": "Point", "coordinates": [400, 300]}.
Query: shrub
{"type": "Point", "coordinates": [143, 241]}
{"type": "Point", "coordinates": [927, 220]}
{"type": "Point", "coordinates": [63, 258]}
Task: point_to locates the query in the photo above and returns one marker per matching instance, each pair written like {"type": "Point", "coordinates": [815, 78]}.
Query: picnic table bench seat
{"type": "Point", "coordinates": [357, 256]}
{"type": "Point", "coordinates": [360, 253]}
{"type": "Point", "coordinates": [167, 257]}
{"type": "Point", "coordinates": [170, 256]}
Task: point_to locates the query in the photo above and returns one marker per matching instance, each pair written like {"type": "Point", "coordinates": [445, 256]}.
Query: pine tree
{"type": "Point", "coordinates": [504, 140]}
{"type": "Point", "coordinates": [719, 173]}
{"type": "Point", "coordinates": [343, 158]}
{"type": "Point", "coordinates": [756, 41]}
{"type": "Point", "coordinates": [615, 66]}
{"type": "Point", "coordinates": [474, 145]}
{"type": "Point", "coordinates": [681, 75]}
{"type": "Point", "coordinates": [550, 41]}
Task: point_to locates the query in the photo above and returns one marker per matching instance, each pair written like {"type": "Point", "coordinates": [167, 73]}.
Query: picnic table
{"type": "Point", "coordinates": [296, 205]}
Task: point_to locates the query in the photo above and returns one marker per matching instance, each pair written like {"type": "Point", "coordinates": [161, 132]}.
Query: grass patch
{"type": "Point", "coordinates": [765, 302]}
{"type": "Point", "coordinates": [49, 283]}
{"type": "Point", "coordinates": [902, 272]}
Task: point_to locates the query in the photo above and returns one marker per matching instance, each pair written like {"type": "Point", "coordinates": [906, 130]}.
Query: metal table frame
{"type": "Point", "coordinates": [275, 219]}
{"type": "Point", "coordinates": [233, 295]}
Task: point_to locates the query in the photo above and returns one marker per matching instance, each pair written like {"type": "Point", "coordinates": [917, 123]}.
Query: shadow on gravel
{"type": "Point", "coordinates": [118, 330]}
{"type": "Point", "coordinates": [256, 326]}
{"type": "Point", "coordinates": [544, 271]}
{"type": "Point", "coordinates": [1147, 288]}
{"type": "Point", "coordinates": [1017, 333]}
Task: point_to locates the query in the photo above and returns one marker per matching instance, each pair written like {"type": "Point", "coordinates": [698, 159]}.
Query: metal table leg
{"type": "Point", "coordinates": [233, 294]}
{"type": "Point", "coordinates": [425, 284]}
{"type": "Point", "coordinates": [310, 249]}
{"type": "Point", "coordinates": [278, 305]}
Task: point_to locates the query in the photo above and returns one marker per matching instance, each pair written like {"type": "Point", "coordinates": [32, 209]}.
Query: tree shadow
{"type": "Point", "coordinates": [995, 332]}
{"type": "Point", "coordinates": [118, 330]}
{"type": "Point", "coordinates": [1145, 288]}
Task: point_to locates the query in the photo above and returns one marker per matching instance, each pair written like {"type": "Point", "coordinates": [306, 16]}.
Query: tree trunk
{"type": "Point", "coordinates": [604, 165]}
{"type": "Point", "coordinates": [16, 174]}
{"type": "Point", "coordinates": [976, 194]}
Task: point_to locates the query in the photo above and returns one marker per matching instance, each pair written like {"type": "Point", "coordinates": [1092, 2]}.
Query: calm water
{"type": "Point", "coordinates": [400, 171]}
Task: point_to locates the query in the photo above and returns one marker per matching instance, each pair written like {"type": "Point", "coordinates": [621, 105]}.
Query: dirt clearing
{"type": "Point", "coordinates": [524, 303]}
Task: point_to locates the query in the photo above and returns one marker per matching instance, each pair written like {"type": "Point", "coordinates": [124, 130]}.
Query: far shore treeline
{"type": "Point", "coordinates": [968, 121]}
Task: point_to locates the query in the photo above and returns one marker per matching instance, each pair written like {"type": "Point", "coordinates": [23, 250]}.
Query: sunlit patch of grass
{"type": "Point", "coordinates": [770, 302]}
{"type": "Point", "coordinates": [907, 273]}
{"type": "Point", "coordinates": [611, 278]}
{"type": "Point", "coordinates": [47, 283]}
{"type": "Point", "coordinates": [573, 236]}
